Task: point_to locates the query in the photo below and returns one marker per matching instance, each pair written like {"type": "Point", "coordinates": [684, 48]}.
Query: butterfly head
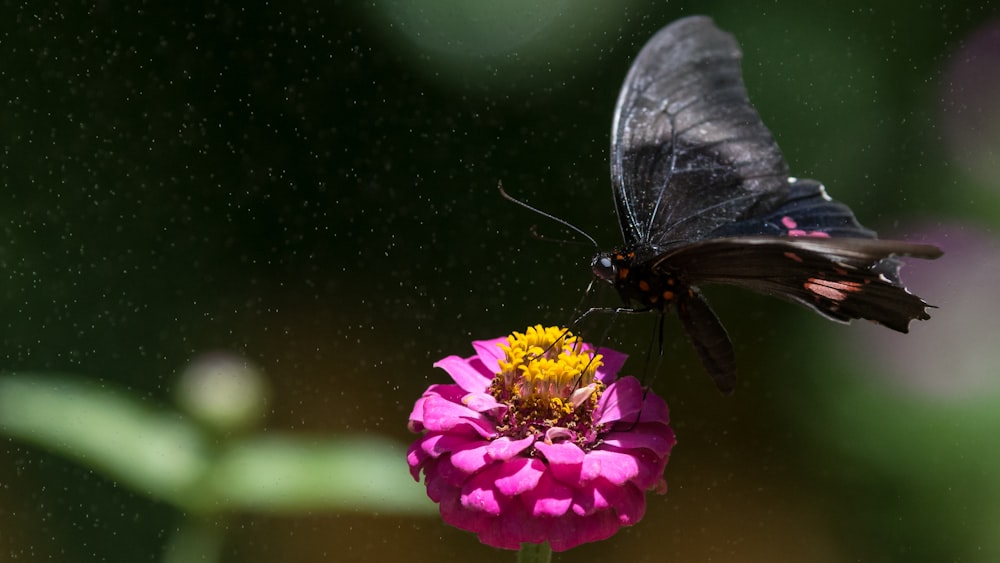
{"type": "Point", "coordinates": [606, 266]}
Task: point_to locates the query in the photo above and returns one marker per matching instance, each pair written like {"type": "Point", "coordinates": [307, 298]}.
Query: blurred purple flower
{"type": "Point", "coordinates": [955, 354]}
{"type": "Point", "coordinates": [538, 441]}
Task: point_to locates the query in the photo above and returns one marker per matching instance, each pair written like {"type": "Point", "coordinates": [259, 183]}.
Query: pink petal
{"type": "Point", "coordinates": [650, 471]}
{"type": "Point", "coordinates": [445, 470]}
{"type": "Point", "coordinates": [436, 444]}
{"type": "Point", "coordinates": [518, 475]}
{"type": "Point", "coordinates": [480, 496]}
{"type": "Point", "coordinates": [549, 498]}
{"type": "Point", "coordinates": [490, 353]}
{"type": "Point", "coordinates": [457, 515]}
{"type": "Point", "coordinates": [590, 499]}
{"type": "Point", "coordinates": [421, 454]}
{"type": "Point", "coordinates": [442, 415]}
{"type": "Point", "coordinates": [415, 458]}
{"type": "Point", "coordinates": [498, 537]}
{"type": "Point", "coordinates": [449, 392]}
{"type": "Point", "coordinates": [565, 460]}
{"type": "Point", "coordinates": [438, 488]}
{"type": "Point", "coordinates": [416, 421]}
{"type": "Point", "coordinates": [627, 502]}
{"type": "Point", "coordinates": [465, 374]}
{"type": "Point", "coordinates": [513, 527]}
{"type": "Point", "coordinates": [504, 448]}
{"type": "Point", "coordinates": [654, 409]}
{"type": "Point", "coordinates": [648, 466]}
{"type": "Point", "coordinates": [491, 489]}
{"type": "Point", "coordinates": [613, 362]}
{"type": "Point", "coordinates": [484, 403]}
{"type": "Point", "coordinates": [654, 437]}
{"type": "Point", "coordinates": [622, 400]}
{"type": "Point", "coordinates": [630, 505]}
{"type": "Point", "coordinates": [561, 453]}
{"type": "Point", "coordinates": [616, 467]}
{"type": "Point", "coordinates": [472, 458]}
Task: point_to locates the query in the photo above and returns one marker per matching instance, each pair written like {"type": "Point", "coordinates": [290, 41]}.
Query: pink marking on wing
{"type": "Point", "coordinates": [834, 290]}
{"type": "Point", "coordinates": [801, 233]}
{"type": "Point", "coordinates": [788, 222]}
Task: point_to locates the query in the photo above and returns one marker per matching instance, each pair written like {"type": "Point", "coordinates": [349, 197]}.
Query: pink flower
{"type": "Point", "coordinates": [538, 441]}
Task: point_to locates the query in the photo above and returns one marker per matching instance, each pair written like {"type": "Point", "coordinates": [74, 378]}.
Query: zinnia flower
{"type": "Point", "coordinates": [539, 441]}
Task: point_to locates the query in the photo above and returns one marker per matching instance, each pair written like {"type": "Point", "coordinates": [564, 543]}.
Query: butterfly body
{"type": "Point", "coordinates": [704, 196]}
{"type": "Point", "coordinates": [638, 281]}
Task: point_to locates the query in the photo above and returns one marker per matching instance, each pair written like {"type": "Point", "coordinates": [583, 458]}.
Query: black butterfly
{"type": "Point", "coordinates": [704, 196]}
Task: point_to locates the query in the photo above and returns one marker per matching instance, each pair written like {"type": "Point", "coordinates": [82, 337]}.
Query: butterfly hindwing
{"type": "Point", "coordinates": [842, 279]}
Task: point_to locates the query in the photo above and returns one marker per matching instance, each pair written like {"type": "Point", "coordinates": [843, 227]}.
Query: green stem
{"type": "Point", "coordinates": [534, 553]}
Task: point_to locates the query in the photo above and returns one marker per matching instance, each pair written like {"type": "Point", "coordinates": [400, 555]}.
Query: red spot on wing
{"type": "Point", "coordinates": [832, 289]}
{"type": "Point", "coordinates": [793, 256]}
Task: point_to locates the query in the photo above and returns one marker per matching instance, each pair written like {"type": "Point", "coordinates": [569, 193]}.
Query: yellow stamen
{"type": "Point", "coordinates": [547, 363]}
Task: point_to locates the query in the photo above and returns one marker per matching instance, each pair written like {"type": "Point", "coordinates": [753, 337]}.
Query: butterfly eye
{"type": "Point", "coordinates": [604, 267]}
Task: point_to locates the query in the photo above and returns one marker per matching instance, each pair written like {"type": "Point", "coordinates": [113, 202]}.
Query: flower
{"type": "Point", "coordinates": [539, 441]}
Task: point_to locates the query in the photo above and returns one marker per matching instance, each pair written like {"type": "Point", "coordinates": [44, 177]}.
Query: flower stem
{"type": "Point", "coordinates": [534, 553]}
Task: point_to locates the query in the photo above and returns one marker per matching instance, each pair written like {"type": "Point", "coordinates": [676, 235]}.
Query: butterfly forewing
{"type": "Point", "coordinates": [689, 153]}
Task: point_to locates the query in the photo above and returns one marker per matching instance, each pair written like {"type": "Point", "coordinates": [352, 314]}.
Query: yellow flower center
{"type": "Point", "coordinates": [547, 378]}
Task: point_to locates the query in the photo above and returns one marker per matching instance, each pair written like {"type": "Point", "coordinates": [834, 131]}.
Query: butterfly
{"type": "Point", "coordinates": [704, 196]}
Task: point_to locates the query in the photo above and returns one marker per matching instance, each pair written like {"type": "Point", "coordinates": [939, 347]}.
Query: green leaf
{"type": "Point", "coordinates": [294, 474]}
{"type": "Point", "coordinates": [159, 454]}
{"type": "Point", "coordinates": [168, 457]}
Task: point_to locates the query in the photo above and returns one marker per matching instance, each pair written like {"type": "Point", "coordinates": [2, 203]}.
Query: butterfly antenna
{"type": "Point", "coordinates": [539, 236]}
{"type": "Point", "coordinates": [549, 216]}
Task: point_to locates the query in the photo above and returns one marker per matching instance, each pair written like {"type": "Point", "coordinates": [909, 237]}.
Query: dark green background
{"type": "Point", "coordinates": [313, 185]}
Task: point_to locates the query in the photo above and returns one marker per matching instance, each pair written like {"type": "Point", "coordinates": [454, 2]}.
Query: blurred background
{"type": "Point", "coordinates": [309, 189]}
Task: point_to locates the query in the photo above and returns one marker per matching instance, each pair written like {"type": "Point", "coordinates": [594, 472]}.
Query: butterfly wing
{"type": "Point", "coordinates": [840, 278]}
{"type": "Point", "coordinates": [806, 211]}
{"type": "Point", "coordinates": [689, 153]}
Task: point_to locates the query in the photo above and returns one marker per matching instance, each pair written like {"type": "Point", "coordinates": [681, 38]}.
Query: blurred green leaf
{"type": "Point", "coordinates": [162, 455]}
{"type": "Point", "coordinates": [504, 46]}
{"type": "Point", "coordinates": [168, 457]}
{"type": "Point", "coordinates": [291, 474]}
